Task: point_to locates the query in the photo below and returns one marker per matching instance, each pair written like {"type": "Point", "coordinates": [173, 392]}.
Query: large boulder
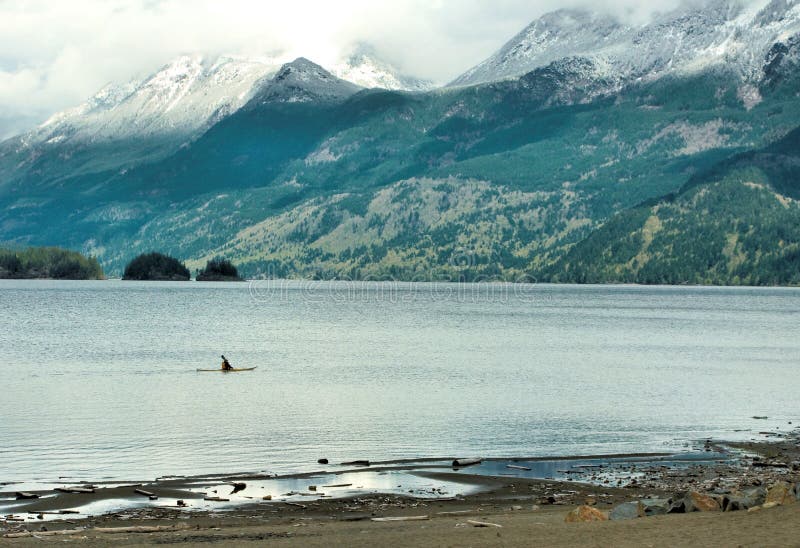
{"type": "Point", "coordinates": [703, 503]}
{"type": "Point", "coordinates": [656, 507]}
{"type": "Point", "coordinates": [627, 510]}
{"type": "Point", "coordinates": [694, 502]}
{"type": "Point", "coordinates": [744, 500]}
{"type": "Point", "coordinates": [781, 493]}
{"type": "Point", "coordinates": [755, 495]}
{"type": "Point", "coordinates": [678, 506]}
{"type": "Point", "coordinates": [583, 514]}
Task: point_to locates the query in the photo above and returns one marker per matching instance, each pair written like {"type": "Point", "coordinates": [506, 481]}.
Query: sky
{"type": "Point", "coordinates": [54, 54]}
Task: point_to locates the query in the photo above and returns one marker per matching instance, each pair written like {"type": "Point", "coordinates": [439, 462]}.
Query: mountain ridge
{"type": "Point", "coordinates": [682, 41]}
{"type": "Point", "coordinates": [314, 176]}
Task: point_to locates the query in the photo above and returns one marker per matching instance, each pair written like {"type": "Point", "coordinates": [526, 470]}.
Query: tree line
{"type": "Point", "coordinates": [48, 263]}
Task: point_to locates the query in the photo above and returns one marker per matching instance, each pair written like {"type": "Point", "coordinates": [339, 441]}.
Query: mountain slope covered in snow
{"type": "Point", "coordinates": [721, 33]}
{"type": "Point", "coordinates": [124, 125]}
{"type": "Point", "coordinates": [364, 68]}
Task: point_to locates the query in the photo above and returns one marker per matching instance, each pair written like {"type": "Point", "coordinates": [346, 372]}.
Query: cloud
{"type": "Point", "coordinates": [54, 55]}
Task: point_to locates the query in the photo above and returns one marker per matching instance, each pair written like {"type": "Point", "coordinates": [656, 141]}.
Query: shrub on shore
{"type": "Point", "coordinates": [48, 263]}
{"type": "Point", "coordinates": [219, 270]}
{"type": "Point", "coordinates": [156, 267]}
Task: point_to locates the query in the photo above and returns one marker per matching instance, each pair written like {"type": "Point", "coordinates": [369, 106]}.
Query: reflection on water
{"type": "Point", "coordinates": [342, 485]}
{"type": "Point", "coordinates": [424, 482]}
{"type": "Point", "coordinates": [100, 380]}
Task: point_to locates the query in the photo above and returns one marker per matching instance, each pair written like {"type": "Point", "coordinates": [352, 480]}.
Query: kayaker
{"type": "Point", "coordinates": [226, 365]}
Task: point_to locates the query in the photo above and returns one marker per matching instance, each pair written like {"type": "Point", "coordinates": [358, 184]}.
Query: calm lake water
{"type": "Point", "coordinates": [100, 380]}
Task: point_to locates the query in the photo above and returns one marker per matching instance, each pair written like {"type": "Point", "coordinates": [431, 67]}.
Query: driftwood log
{"type": "Point", "coordinates": [303, 506]}
{"type": "Point", "coordinates": [84, 490]}
{"type": "Point", "coordinates": [475, 523]}
{"type": "Point", "coordinates": [139, 529]}
{"type": "Point", "coordinates": [403, 518]}
{"type": "Point", "coordinates": [23, 534]}
{"type": "Point", "coordinates": [104, 530]}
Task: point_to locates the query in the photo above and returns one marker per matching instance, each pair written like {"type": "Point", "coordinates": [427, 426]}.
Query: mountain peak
{"type": "Point", "coordinates": [568, 18]}
{"type": "Point", "coordinates": [364, 67]}
{"type": "Point", "coordinates": [778, 11]}
{"type": "Point", "coordinates": [301, 68]}
{"type": "Point", "coordinates": [303, 81]}
{"type": "Point", "coordinates": [556, 35]}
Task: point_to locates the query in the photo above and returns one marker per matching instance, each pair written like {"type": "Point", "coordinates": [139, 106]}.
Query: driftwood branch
{"type": "Point", "coordinates": [303, 506]}
{"type": "Point", "coordinates": [85, 490]}
{"type": "Point", "coordinates": [483, 523]}
{"type": "Point", "coordinates": [102, 530]}
{"type": "Point", "coordinates": [139, 529]}
{"type": "Point", "coordinates": [23, 534]}
{"type": "Point", "coordinates": [403, 518]}
{"type": "Point", "coordinates": [356, 463]}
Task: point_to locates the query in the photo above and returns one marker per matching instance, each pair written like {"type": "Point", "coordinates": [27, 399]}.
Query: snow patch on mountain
{"type": "Point", "coordinates": [688, 40]}
{"type": "Point", "coordinates": [563, 33]}
{"type": "Point", "coordinates": [182, 99]}
{"type": "Point", "coordinates": [146, 119]}
{"type": "Point", "coordinates": [364, 68]}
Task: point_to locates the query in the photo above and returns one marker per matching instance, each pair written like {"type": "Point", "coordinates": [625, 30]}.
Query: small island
{"type": "Point", "coordinates": [51, 263]}
{"type": "Point", "coordinates": [156, 267]}
{"type": "Point", "coordinates": [219, 270]}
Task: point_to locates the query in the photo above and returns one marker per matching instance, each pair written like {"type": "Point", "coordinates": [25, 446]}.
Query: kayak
{"type": "Point", "coordinates": [234, 370]}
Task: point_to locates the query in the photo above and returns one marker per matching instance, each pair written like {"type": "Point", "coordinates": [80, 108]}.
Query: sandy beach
{"type": "Point", "coordinates": [544, 527]}
{"type": "Point", "coordinates": [498, 510]}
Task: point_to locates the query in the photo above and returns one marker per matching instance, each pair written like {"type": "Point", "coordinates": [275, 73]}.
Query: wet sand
{"type": "Point", "coordinates": [449, 525]}
{"type": "Point", "coordinates": [529, 511]}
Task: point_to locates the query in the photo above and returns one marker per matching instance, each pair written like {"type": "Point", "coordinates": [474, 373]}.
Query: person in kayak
{"type": "Point", "coordinates": [226, 365]}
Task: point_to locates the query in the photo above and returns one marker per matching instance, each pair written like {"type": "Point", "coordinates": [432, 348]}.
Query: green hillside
{"type": "Point", "coordinates": [591, 160]}
{"type": "Point", "coordinates": [498, 180]}
{"type": "Point", "coordinates": [737, 224]}
{"type": "Point", "coordinates": [437, 229]}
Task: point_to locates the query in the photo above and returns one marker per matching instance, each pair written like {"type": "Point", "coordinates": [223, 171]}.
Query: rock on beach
{"type": "Point", "coordinates": [583, 514]}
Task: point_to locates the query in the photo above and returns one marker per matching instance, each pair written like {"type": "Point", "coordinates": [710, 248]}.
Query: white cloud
{"type": "Point", "coordinates": [55, 54]}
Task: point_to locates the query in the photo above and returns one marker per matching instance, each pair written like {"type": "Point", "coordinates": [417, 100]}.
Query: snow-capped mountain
{"type": "Point", "coordinates": [302, 81]}
{"type": "Point", "coordinates": [364, 68]}
{"type": "Point", "coordinates": [191, 93]}
{"type": "Point", "coordinates": [563, 33]}
{"type": "Point", "coordinates": [690, 39]}
{"type": "Point", "coordinates": [182, 99]}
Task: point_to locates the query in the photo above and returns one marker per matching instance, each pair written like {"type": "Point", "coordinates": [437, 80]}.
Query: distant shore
{"type": "Point", "coordinates": [477, 283]}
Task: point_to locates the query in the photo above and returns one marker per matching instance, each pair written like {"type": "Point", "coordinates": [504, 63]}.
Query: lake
{"type": "Point", "coordinates": [100, 380]}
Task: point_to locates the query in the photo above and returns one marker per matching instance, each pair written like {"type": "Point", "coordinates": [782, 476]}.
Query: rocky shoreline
{"type": "Point", "coordinates": [750, 479]}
